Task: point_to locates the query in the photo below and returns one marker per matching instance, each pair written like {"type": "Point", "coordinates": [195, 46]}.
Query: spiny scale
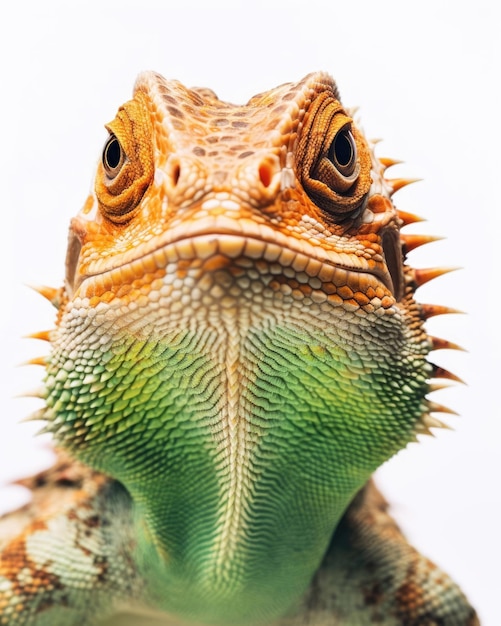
{"type": "Point", "coordinates": [424, 275]}
{"type": "Point", "coordinates": [44, 335]}
{"type": "Point", "coordinates": [409, 218]}
{"type": "Point", "coordinates": [434, 407]}
{"type": "Point", "coordinates": [387, 162]}
{"type": "Point", "coordinates": [427, 422]}
{"type": "Point", "coordinates": [433, 422]}
{"type": "Point", "coordinates": [437, 387]}
{"type": "Point", "coordinates": [51, 294]}
{"type": "Point", "coordinates": [34, 393]}
{"type": "Point", "coordinates": [398, 183]}
{"type": "Point", "coordinates": [38, 360]}
{"type": "Point", "coordinates": [442, 344]}
{"type": "Point", "coordinates": [37, 416]}
{"type": "Point", "coordinates": [430, 310]}
{"type": "Point", "coordinates": [440, 372]}
{"type": "Point", "coordinates": [411, 242]}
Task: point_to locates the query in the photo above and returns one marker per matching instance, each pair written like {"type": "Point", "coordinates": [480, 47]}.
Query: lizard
{"type": "Point", "coordinates": [237, 349]}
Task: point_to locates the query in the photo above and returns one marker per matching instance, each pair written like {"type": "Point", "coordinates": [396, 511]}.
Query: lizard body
{"type": "Point", "coordinates": [237, 350]}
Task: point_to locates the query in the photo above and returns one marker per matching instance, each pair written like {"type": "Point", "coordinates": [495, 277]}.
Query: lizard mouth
{"type": "Point", "coordinates": [254, 242]}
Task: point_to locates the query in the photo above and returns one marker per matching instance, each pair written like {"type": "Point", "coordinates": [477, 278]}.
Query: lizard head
{"type": "Point", "coordinates": [281, 170]}
{"type": "Point", "coordinates": [237, 339]}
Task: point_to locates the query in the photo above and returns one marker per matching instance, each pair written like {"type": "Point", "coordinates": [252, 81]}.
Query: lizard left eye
{"type": "Point", "coordinates": [333, 161]}
{"type": "Point", "coordinates": [343, 152]}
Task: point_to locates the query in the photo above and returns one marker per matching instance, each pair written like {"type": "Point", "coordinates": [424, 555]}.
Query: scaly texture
{"type": "Point", "coordinates": [237, 349]}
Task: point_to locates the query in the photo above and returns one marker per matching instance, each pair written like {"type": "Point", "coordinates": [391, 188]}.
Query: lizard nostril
{"type": "Point", "coordinates": [265, 174]}
{"type": "Point", "coordinates": [173, 170]}
{"type": "Point", "coordinates": [175, 174]}
{"type": "Point", "coordinates": [267, 169]}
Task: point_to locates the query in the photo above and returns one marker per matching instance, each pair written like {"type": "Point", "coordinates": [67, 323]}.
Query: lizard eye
{"type": "Point", "coordinates": [332, 159]}
{"type": "Point", "coordinates": [343, 152]}
{"type": "Point", "coordinates": [127, 168]}
{"type": "Point", "coordinates": [113, 157]}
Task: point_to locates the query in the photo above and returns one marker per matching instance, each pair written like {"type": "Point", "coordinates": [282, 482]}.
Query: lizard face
{"type": "Point", "coordinates": [288, 171]}
{"type": "Point", "coordinates": [238, 342]}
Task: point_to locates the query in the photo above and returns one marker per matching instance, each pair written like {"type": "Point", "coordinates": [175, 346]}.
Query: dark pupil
{"type": "Point", "coordinates": [342, 149]}
{"type": "Point", "coordinates": [113, 153]}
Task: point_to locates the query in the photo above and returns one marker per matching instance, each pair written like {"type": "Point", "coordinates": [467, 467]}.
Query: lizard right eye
{"type": "Point", "coordinates": [127, 168]}
{"type": "Point", "coordinates": [113, 157]}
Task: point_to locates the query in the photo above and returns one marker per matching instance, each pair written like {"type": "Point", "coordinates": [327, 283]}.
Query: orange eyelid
{"type": "Point", "coordinates": [119, 190]}
{"type": "Point", "coordinates": [340, 191]}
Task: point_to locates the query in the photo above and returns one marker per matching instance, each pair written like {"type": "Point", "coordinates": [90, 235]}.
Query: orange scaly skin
{"type": "Point", "coordinates": [237, 349]}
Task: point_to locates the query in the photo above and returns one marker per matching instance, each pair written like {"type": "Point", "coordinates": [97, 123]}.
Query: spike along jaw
{"type": "Point", "coordinates": [55, 296]}
{"type": "Point", "coordinates": [415, 278]}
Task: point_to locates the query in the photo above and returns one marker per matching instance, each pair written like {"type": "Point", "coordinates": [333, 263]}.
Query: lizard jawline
{"type": "Point", "coordinates": [274, 248]}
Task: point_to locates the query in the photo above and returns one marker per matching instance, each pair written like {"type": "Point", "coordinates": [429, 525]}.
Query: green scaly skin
{"type": "Point", "coordinates": [219, 536]}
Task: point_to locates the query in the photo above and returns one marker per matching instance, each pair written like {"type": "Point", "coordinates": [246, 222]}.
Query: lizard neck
{"type": "Point", "coordinates": [238, 432]}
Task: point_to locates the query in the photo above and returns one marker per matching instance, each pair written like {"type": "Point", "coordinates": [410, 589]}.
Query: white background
{"type": "Point", "coordinates": [426, 77]}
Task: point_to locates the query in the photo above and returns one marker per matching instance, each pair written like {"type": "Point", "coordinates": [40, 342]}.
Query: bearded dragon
{"type": "Point", "coordinates": [237, 349]}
